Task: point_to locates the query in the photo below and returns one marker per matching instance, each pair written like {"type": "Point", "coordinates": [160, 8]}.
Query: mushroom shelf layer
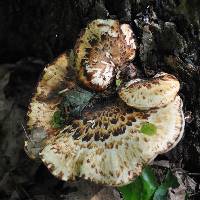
{"type": "Point", "coordinates": [107, 147]}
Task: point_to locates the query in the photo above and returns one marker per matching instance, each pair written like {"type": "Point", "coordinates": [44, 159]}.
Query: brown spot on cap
{"type": "Point", "coordinates": [113, 121]}
{"type": "Point", "coordinates": [87, 137]}
{"type": "Point", "coordinates": [76, 135]}
{"type": "Point", "coordinates": [97, 136]}
{"type": "Point", "coordinates": [129, 123]}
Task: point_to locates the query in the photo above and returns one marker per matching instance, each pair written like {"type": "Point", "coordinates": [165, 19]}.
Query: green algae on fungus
{"type": "Point", "coordinates": [148, 128]}
{"type": "Point", "coordinates": [118, 82]}
{"type": "Point", "coordinates": [58, 119]}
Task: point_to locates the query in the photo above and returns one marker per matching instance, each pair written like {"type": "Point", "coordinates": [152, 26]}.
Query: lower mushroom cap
{"type": "Point", "coordinates": [106, 146]}
{"type": "Point", "coordinates": [154, 93]}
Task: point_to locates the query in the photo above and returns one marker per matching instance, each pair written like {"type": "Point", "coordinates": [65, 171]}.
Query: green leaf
{"type": "Point", "coordinates": [145, 187]}
{"type": "Point", "coordinates": [149, 183]}
{"type": "Point", "coordinates": [169, 182]}
{"type": "Point", "coordinates": [57, 119]}
{"type": "Point", "coordinates": [148, 129]}
{"type": "Point", "coordinates": [132, 191]}
{"type": "Point", "coordinates": [142, 188]}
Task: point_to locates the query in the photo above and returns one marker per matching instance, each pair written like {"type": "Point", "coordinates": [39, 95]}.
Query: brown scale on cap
{"type": "Point", "coordinates": [103, 47]}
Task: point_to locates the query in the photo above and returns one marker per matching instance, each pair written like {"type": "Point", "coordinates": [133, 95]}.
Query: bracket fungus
{"type": "Point", "coordinates": [103, 47]}
{"type": "Point", "coordinates": [154, 93]}
{"type": "Point", "coordinates": [107, 143]}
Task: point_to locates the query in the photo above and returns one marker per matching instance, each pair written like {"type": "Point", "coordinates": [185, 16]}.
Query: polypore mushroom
{"type": "Point", "coordinates": [103, 46]}
{"type": "Point", "coordinates": [154, 93]}
{"type": "Point", "coordinates": [108, 146]}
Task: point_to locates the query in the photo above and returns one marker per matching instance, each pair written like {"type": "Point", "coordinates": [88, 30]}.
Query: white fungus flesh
{"type": "Point", "coordinates": [107, 145]}
{"type": "Point", "coordinates": [153, 93]}
{"type": "Point", "coordinates": [102, 48]}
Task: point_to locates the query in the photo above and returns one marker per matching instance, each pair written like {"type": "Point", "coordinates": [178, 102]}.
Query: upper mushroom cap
{"type": "Point", "coordinates": [153, 93]}
{"type": "Point", "coordinates": [103, 46]}
{"type": "Point", "coordinates": [107, 145]}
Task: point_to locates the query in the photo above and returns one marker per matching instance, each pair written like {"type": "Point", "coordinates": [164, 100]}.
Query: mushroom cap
{"type": "Point", "coordinates": [45, 101]}
{"type": "Point", "coordinates": [107, 146]}
{"type": "Point", "coordinates": [103, 46]}
{"type": "Point", "coordinates": [153, 93]}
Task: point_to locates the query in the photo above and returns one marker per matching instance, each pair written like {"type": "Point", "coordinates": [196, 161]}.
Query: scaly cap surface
{"type": "Point", "coordinates": [107, 145]}
{"type": "Point", "coordinates": [153, 93]}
